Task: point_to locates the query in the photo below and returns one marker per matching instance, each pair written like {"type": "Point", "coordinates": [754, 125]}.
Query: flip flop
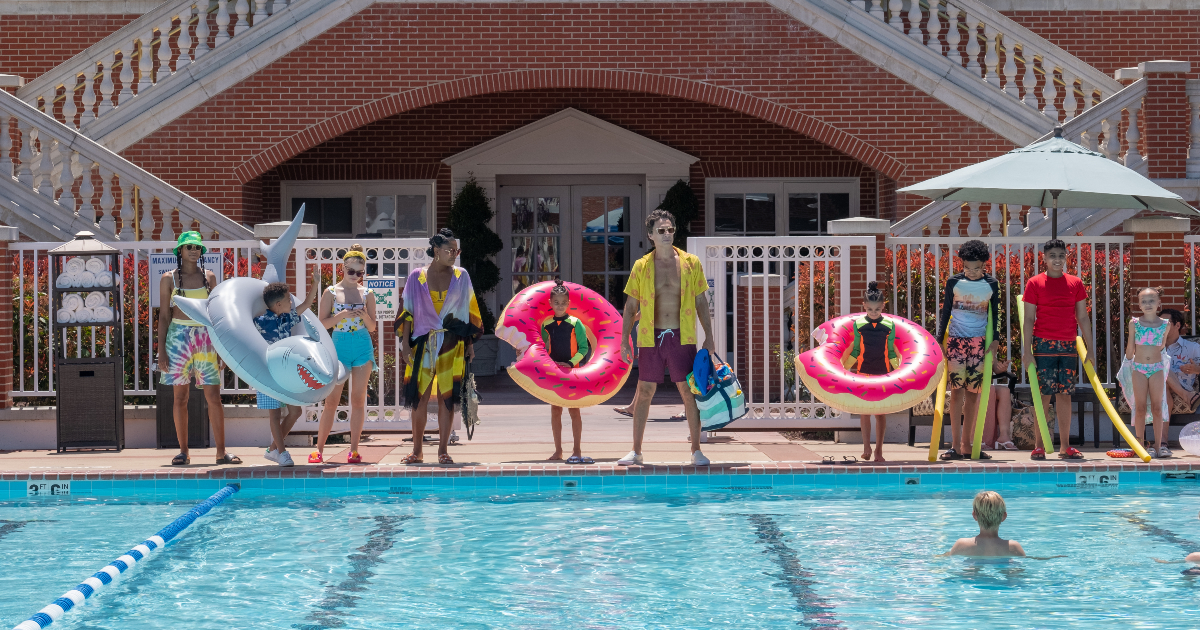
{"type": "Point", "coordinates": [623, 412]}
{"type": "Point", "coordinates": [950, 455]}
{"type": "Point", "coordinates": [229, 458]}
{"type": "Point", "coordinates": [679, 416]}
{"type": "Point", "coordinates": [1072, 453]}
{"type": "Point", "coordinates": [315, 457]}
{"type": "Point", "coordinates": [984, 455]}
{"type": "Point", "coordinates": [413, 458]}
{"type": "Point", "coordinates": [181, 460]}
{"type": "Point", "coordinates": [444, 458]}
{"type": "Point", "coordinates": [579, 459]}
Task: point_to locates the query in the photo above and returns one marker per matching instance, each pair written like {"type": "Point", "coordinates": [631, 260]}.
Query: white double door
{"type": "Point", "coordinates": [587, 234]}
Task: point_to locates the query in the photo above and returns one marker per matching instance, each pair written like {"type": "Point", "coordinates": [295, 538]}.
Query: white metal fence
{"type": "Point", "coordinates": [768, 294]}
{"type": "Point", "coordinates": [1191, 259]}
{"type": "Point", "coordinates": [921, 266]}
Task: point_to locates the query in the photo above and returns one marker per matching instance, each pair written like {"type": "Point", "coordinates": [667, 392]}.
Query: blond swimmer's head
{"type": "Point", "coordinates": [989, 509]}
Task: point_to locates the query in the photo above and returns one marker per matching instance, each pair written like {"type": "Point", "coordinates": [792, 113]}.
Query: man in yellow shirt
{"type": "Point", "coordinates": [668, 287]}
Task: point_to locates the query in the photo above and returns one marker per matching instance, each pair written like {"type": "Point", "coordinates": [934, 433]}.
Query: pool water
{"type": "Point", "coordinates": [773, 559]}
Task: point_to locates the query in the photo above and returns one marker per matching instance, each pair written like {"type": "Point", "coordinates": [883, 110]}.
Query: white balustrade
{"type": "Point", "coordinates": [164, 48]}
{"type": "Point", "coordinates": [1014, 220]}
{"type": "Point", "coordinates": [222, 22]}
{"type": "Point", "coordinates": [243, 10]}
{"type": "Point", "coordinates": [68, 109]}
{"type": "Point", "coordinates": [6, 145]}
{"type": "Point", "coordinates": [894, 19]}
{"type": "Point", "coordinates": [260, 11]}
{"type": "Point", "coordinates": [914, 21]}
{"type": "Point", "coordinates": [973, 44]}
{"type": "Point", "coordinates": [202, 28]}
{"type": "Point", "coordinates": [990, 57]}
{"type": "Point", "coordinates": [66, 180]}
{"type": "Point", "coordinates": [1069, 102]}
{"type": "Point", "coordinates": [89, 95]}
{"type": "Point", "coordinates": [974, 227]}
{"type": "Point", "coordinates": [87, 190]}
{"type": "Point", "coordinates": [1029, 80]}
{"type": "Point", "coordinates": [934, 26]}
{"type": "Point", "coordinates": [953, 36]}
{"type": "Point", "coordinates": [1010, 69]}
{"type": "Point", "coordinates": [45, 164]}
{"type": "Point", "coordinates": [145, 62]}
{"type": "Point", "coordinates": [1110, 147]}
{"type": "Point", "coordinates": [995, 219]}
{"type": "Point", "coordinates": [1049, 90]}
{"type": "Point", "coordinates": [25, 156]}
{"type": "Point", "coordinates": [185, 39]}
{"type": "Point", "coordinates": [126, 211]}
{"type": "Point", "coordinates": [126, 76]}
{"type": "Point", "coordinates": [1133, 158]}
{"type": "Point", "coordinates": [875, 9]}
{"type": "Point", "coordinates": [107, 200]}
{"type": "Point", "coordinates": [147, 224]}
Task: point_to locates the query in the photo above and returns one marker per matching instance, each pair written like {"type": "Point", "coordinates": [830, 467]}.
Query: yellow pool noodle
{"type": "Point", "coordinates": [939, 404]}
{"type": "Point", "coordinates": [1106, 404]}
{"type": "Point", "coordinates": [1031, 369]}
{"type": "Point", "coordinates": [984, 392]}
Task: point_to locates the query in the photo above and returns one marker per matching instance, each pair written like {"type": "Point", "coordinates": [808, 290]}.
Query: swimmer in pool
{"type": "Point", "coordinates": [989, 511]}
{"type": "Point", "coordinates": [1193, 557]}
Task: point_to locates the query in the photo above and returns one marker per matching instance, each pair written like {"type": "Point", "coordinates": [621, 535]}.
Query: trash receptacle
{"type": "Point", "coordinates": [165, 418]}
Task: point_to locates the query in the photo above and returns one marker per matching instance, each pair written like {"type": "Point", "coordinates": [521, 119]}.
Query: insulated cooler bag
{"type": "Point", "coordinates": [723, 402]}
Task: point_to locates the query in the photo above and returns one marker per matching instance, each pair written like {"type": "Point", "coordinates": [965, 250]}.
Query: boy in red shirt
{"type": "Point", "coordinates": [1055, 306]}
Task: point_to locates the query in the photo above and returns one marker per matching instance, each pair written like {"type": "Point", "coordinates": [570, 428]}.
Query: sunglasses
{"type": "Point", "coordinates": [192, 248]}
{"type": "Point", "coordinates": [452, 252]}
{"type": "Point", "coordinates": [669, 230]}
{"type": "Point", "coordinates": [353, 272]}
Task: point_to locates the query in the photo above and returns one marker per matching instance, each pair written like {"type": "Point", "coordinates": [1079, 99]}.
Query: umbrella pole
{"type": "Point", "coordinates": [1054, 216]}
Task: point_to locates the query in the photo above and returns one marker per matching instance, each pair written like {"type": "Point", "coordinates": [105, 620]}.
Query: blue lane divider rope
{"type": "Point", "coordinates": [99, 579]}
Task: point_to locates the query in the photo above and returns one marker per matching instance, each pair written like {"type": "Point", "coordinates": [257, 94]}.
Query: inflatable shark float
{"type": "Point", "coordinates": [300, 370]}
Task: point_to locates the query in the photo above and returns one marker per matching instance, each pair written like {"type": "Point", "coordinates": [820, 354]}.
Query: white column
{"type": "Point", "coordinates": [1088, 89]}
{"type": "Point", "coordinates": [185, 222]}
{"type": "Point", "coordinates": [1069, 102]}
{"type": "Point", "coordinates": [164, 49]}
{"type": "Point", "coordinates": [126, 209]}
{"type": "Point", "coordinates": [147, 224]}
{"type": "Point", "coordinates": [107, 87]}
{"type": "Point", "coordinates": [954, 216]}
{"type": "Point", "coordinates": [1089, 136]}
{"type": "Point", "coordinates": [89, 94]}
{"type": "Point", "coordinates": [934, 27]}
{"type": "Point", "coordinates": [185, 38]}
{"type": "Point", "coordinates": [1193, 159]}
{"type": "Point", "coordinates": [106, 201]}
{"type": "Point", "coordinates": [995, 220]}
{"type": "Point", "coordinates": [1049, 91]}
{"type": "Point", "coordinates": [1031, 216]}
{"type": "Point", "coordinates": [953, 36]}
{"type": "Point", "coordinates": [86, 191]}
{"type": "Point", "coordinates": [126, 92]}
{"type": "Point", "coordinates": [6, 145]}
{"type": "Point", "coordinates": [69, 109]}
{"type": "Point", "coordinates": [45, 166]}
{"type": "Point", "coordinates": [1014, 220]}
{"type": "Point", "coordinates": [202, 29]}
{"type": "Point", "coordinates": [1132, 156]}
{"type": "Point", "coordinates": [25, 169]}
{"type": "Point", "coordinates": [973, 45]}
{"type": "Point", "coordinates": [1029, 81]}
{"type": "Point", "coordinates": [66, 177]}
{"type": "Point", "coordinates": [894, 7]}
{"type": "Point", "coordinates": [990, 58]}
{"type": "Point", "coordinates": [260, 11]}
{"type": "Point", "coordinates": [222, 23]}
{"type": "Point", "coordinates": [1111, 147]}
{"type": "Point", "coordinates": [168, 219]}
{"type": "Point", "coordinates": [974, 228]}
{"type": "Point", "coordinates": [1010, 67]}
{"type": "Point", "coordinates": [876, 9]}
{"type": "Point", "coordinates": [146, 62]}
{"type": "Point", "coordinates": [243, 9]}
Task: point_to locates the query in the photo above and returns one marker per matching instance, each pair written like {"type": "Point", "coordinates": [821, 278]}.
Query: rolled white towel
{"type": "Point", "coordinates": [104, 279]}
{"type": "Point", "coordinates": [95, 265]}
{"type": "Point", "coordinates": [75, 266]}
{"type": "Point", "coordinates": [66, 316]}
{"type": "Point", "coordinates": [102, 314]}
{"type": "Point", "coordinates": [83, 315]}
{"type": "Point", "coordinates": [87, 280]}
{"type": "Point", "coordinates": [94, 299]}
{"type": "Point", "coordinates": [65, 281]}
{"type": "Point", "coordinates": [72, 301]}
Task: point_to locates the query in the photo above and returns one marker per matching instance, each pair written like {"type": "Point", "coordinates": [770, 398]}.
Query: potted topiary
{"type": "Point", "coordinates": [681, 202]}
{"type": "Point", "coordinates": [470, 218]}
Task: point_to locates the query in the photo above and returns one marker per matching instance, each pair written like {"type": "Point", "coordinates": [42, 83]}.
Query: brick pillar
{"type": "Point", "coordinates": [1157, 255]}
{"type": "Point", "coordinates": [7, 235]}
{"type": "Point", "coordinates": [1165, 117]}
{"type": "Point", "coordinates": [859, 226]}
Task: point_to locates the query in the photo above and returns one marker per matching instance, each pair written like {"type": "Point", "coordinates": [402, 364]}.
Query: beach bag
{"type": "Point", "coordinates": [723, 401]}
{"type": "Point", "coordinates": [470, 402]}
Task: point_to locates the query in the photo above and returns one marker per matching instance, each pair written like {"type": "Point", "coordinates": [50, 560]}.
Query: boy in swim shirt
{"type": "Point", "coordinates": [567, 344]}
{"type": "Point", "coordinates": [989, 511]}
{"type": "Point", "coordinates": [971, 297]}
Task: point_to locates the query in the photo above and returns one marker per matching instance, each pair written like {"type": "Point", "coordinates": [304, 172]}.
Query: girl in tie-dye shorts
{"type": "Point", "coordinates": [190, 355]}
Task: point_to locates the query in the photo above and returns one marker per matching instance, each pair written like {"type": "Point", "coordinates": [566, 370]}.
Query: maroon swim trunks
{"type": "Point", "coordinates": [666, 353]}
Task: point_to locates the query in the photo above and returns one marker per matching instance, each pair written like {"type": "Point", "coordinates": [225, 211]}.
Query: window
{"type": "Point", "coordinates": [396, 209]}
{"type": "Point", "coordinates": [770, 207]}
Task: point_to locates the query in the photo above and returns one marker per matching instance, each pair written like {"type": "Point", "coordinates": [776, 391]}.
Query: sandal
{"type": "Point", "coordinates": [623, 412]}
{"type": "Point", "coordinates": [444, 458]}
{"type": "Point", "coordinates": [315, 457]}
{"type": "Point", "coordinates": [579, 459]}
{"type": "Point", "coordinates": [984, 455]}
{"type": "Point", "coordinates": [679, 417]}
{"type": "Point", "coordinates": [229, 458]}
{"type": "Point", "coordinates": [1038, 454]}
{"type": "Point", "coordinates": [181, 460]}
{"type": "Point", "coordinates": [353, 458]}
{"type": "Point", "coordinates": [1008, 446]}
{"type": "Point", "coordinates": [413, 458]}
{"type": "Point", "coordinates": [951, 455]}
{"type": "Point", "coordinates": [1072, 453]}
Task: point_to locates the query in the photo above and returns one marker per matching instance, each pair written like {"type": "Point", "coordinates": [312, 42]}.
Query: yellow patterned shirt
{"type": "Point", "coordinates": [641, 288]}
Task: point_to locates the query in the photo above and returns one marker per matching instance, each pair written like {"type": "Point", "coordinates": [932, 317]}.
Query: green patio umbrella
{"type": "Point", "coordinates": [1053, 173]}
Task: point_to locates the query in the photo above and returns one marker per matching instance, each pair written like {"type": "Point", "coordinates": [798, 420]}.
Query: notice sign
{"type": "Point", "coordinates": [162, 263]}
{"type": "Point", "coordinates": [386, 297]}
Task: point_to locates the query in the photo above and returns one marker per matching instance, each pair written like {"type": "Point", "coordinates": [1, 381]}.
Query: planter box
{"type": "Point", "coordinates": [486, 350]}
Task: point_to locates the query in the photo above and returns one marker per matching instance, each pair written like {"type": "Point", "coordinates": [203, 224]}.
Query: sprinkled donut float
{"type": "Point", "coordinates": [591, 383]}
{"type": "Point", "coordinates": [824, 373]}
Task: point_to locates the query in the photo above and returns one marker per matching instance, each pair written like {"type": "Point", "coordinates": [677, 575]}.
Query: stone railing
{"type": "Point", "coordinates": [150, 51]}
{"type": "Point", "coordinates": [58, 177]}
{"type": "Point", "coordinates": [999, 51]}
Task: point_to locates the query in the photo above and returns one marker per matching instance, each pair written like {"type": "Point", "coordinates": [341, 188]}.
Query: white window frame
{"type": "Point", "coordinates": [358, 191]}
{"type": "Point", "coordinates": [781, 187]}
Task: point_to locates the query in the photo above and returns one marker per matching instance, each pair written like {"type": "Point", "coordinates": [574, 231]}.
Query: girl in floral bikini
{"type": "Point", "coordinates": [1149, 365]}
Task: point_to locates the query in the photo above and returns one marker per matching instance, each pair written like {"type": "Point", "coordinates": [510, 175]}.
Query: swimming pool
{"type": "Point", "coordinates": [790, 556]}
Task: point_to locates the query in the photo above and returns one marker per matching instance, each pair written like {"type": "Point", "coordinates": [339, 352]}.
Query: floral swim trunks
{"type": "Point", "coordinates": [964, 360]}
{"type": "Point", "coordinates": [190, 354]}
{"type": "Point", "coordinates": [1057, 365]}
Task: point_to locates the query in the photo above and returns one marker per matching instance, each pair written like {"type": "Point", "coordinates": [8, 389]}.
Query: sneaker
{"type": "Point", "coordinates": [634, 458]}
{"type": "Point", "coordinates": [1164, 452]}
{"type": "Point", "coordinates": [698, 459]}
{"type": "Point", "coordinates": [285, 460]}
{"type": "Point", "coordinates": [271, 455]}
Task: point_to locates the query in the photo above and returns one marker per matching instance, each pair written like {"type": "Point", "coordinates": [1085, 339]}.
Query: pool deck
{"type": "Point", "coordinates": [515, 440]}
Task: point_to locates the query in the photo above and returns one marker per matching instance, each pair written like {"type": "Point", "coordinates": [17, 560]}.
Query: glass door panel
{"type": "Point", "coordinates": [606, 215]}
{"type": "Point", "coordinates": [532, 220]}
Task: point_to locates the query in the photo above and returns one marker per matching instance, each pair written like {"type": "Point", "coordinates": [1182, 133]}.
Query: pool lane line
{"type": "Point", "coordinates": [818, 612]}
{"type": "Point", "coordinates": [1155, 531]}
{"type": "Point", "coordinates": [339, 596]}
{"type": "Point", "coordinates": [99, 579]}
